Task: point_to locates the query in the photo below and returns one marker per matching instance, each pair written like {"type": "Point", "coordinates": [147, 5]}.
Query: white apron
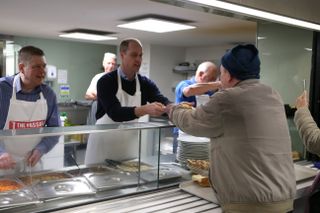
{"type": "Point", "coordinates": [24, 114]}
{"type": "Point", "coordinates": [116, 145]}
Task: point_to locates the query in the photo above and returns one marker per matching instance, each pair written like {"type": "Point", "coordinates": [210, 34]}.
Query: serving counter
{"type": "Point", "coordinates": [54, 185]}
{"type": "Point", "coordinates": [150, 180]}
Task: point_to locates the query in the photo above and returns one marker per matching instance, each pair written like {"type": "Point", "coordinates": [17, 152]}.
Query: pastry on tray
{"type": "Point", "coordinates": [198, 167]}
{"type": "Point", "coordinates": [201, 180]}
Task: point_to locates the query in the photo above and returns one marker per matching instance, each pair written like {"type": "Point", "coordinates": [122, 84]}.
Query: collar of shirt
{"type": "Point", "coordinates": [123, 75]}
{"type": "Point", "coordinates": [193, 80]}
{"type": "Point", "coordinates": [19, 87]}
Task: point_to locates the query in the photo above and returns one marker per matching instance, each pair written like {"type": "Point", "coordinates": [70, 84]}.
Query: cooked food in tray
{"type": "Point", "coordinates": [44, 177]}
{"type": "Point", "coordinates": [9, 185]}
{"type": "Point", "coordinates": [91, 169]}
{"type": "Point", "coordinates": [133, 166]}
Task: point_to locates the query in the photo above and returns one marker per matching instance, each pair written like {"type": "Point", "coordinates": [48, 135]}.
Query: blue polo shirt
{"type": "Point", "coordinates": [179, 92]}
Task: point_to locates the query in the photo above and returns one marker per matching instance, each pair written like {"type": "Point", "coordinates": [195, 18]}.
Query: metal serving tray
{"type": "Point", "coordinates": [18, 198]}
{"type": "Point", "coordinates": [47, 176]}
{"type": "Point", "coordinates": [165, 173]}
{"type": "Point", "coordinates": [90, 169]}
{"type": "Point", "coordinates": [21, 195]}
{"type": "Point", "coordinates": [112, 179]}
{"type": "Point", "coordinates": [63, 188]}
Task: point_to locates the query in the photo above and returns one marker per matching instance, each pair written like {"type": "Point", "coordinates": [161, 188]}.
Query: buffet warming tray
{"type": "Point", "coordinates": [44, 176]}
{"type": "Point", "coordinates": [15, 193]}
{"type": "Point", "coordinates": [113, 179]}
{"type": "Point", "coordinates": [62, 188]}
{"type": "Point", "coordinates": [165, 173]}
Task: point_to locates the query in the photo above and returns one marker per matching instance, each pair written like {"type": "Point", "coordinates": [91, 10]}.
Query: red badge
{"type": "Point", "coordinates": [26, 124]}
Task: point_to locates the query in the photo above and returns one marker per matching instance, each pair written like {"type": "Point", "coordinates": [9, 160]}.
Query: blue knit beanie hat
{"type": "Point", "coordinates": [242, 62]}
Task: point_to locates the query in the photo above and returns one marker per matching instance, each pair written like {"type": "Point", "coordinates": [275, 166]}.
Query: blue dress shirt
{"type": "Point", "coordinates": [53, 117]}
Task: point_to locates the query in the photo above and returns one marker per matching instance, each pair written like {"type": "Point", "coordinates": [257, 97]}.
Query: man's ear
{"type": "Point", "coordinates": [21, 67]}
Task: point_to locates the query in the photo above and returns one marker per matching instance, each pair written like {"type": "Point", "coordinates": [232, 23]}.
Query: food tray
{"type": "Point", "coordinates": [91, 169]}
{"type": "Point", "coordinates": [63, 188]}
{"type": "Point", "coordinates": [133, 166]}
{"type": "Point", "coordinates": [165, 173]}
{"type": "Point", "coordinates": [51, 176]}
{"type": "Point", "coordinates": [112, 180]}
{"type": "Point", "coordinates": [17, 198]}
{"type": "Point", "coordinates": [206, 193]}
{"type": "Point", "coordinates": [14, 193]}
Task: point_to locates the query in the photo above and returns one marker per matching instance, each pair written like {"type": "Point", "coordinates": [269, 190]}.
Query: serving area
{"type": "Point", "coordinates": [151, 181]}
{"type": "Point", "coordinates": [43, 188]}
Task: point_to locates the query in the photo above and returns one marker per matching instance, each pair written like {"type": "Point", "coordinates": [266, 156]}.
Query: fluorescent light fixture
{"type": "Point", "coordinates": [308, 49]}
{"type": "Point", "coordinates": [87, 36]}
{"type": "Point", "coordinates": [156, 25]}
{"type": "Point", "coordinates": [258, 13]}
{"type": "Point", "coordinates": [261, 37]}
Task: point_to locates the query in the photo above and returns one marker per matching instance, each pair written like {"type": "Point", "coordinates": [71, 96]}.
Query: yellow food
{"type": "Point", "coordinates": [201, 180]}
{"type": "Point", "coordinates": [185, 105]}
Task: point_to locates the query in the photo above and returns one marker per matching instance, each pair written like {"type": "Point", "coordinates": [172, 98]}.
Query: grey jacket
{"type": "Point", "coordinates": [250, 152]}
{"type": "Point", "coordinates": [308, 130]}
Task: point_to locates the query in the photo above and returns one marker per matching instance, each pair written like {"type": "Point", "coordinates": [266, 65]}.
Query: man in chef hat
{"type": "Point", "coordinates": [109, 64]}
{"type": "Point", "coordinates": [251, 168]}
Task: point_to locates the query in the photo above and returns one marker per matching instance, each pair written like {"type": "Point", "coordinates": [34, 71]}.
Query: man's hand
{"type": "Point", "coordinates": [154, 109]}
{"type": "Point", "coordinates": [6, 161]}
{"type": "Point", "coordinates": [169, 108]}
{"type": "Point", "coordinates": [33, 157]}
{"type": "Point", "coordinates": [302, 100]}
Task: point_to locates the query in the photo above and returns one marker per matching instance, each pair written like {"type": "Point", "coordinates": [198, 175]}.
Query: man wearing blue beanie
{"type": "Point", "coordinates": [251, 168]}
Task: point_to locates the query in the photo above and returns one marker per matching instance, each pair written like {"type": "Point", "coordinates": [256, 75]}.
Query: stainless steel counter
{"type": "Point", "coordinates": [166, 201]}
{"type": "Point", "coordinates": [173, 200]}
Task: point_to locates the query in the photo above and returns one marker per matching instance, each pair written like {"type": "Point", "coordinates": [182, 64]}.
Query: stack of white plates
{"type": "Point", "coordinates": [190, 147]}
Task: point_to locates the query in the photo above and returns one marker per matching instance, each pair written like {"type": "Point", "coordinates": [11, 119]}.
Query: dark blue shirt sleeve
{"type": "Point", "coordinates": [108, 103]}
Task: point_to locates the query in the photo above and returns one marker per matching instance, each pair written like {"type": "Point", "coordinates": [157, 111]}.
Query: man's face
{"type": "Point", "coordinates": [110, 64]}
{"type": "Point", "coordinates": [224, 77]}
{"type": "Point", "coordinates": [209, 76]}
{"type": "Point", "coordinates": [33, 71]}
{"type": "Point", "coordinates": [132, 58]}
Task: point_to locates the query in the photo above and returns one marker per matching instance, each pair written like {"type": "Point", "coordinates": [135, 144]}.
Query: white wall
{"type": "Point", "coordinates": [162, 61]}
{"type": "Point", "coordinates": [208, 53]}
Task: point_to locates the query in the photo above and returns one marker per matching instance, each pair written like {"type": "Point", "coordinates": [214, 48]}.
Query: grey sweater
{"type": "Point", "coordinates": [308, 130]}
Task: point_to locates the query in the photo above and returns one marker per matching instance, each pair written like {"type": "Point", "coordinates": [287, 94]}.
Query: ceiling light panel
{"type": "Point", "coordinates": [257, 13]}
{"type": "Point", "coordinates": [87, 36]}
{"type": "Point", "coordinates": [156, 25]}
